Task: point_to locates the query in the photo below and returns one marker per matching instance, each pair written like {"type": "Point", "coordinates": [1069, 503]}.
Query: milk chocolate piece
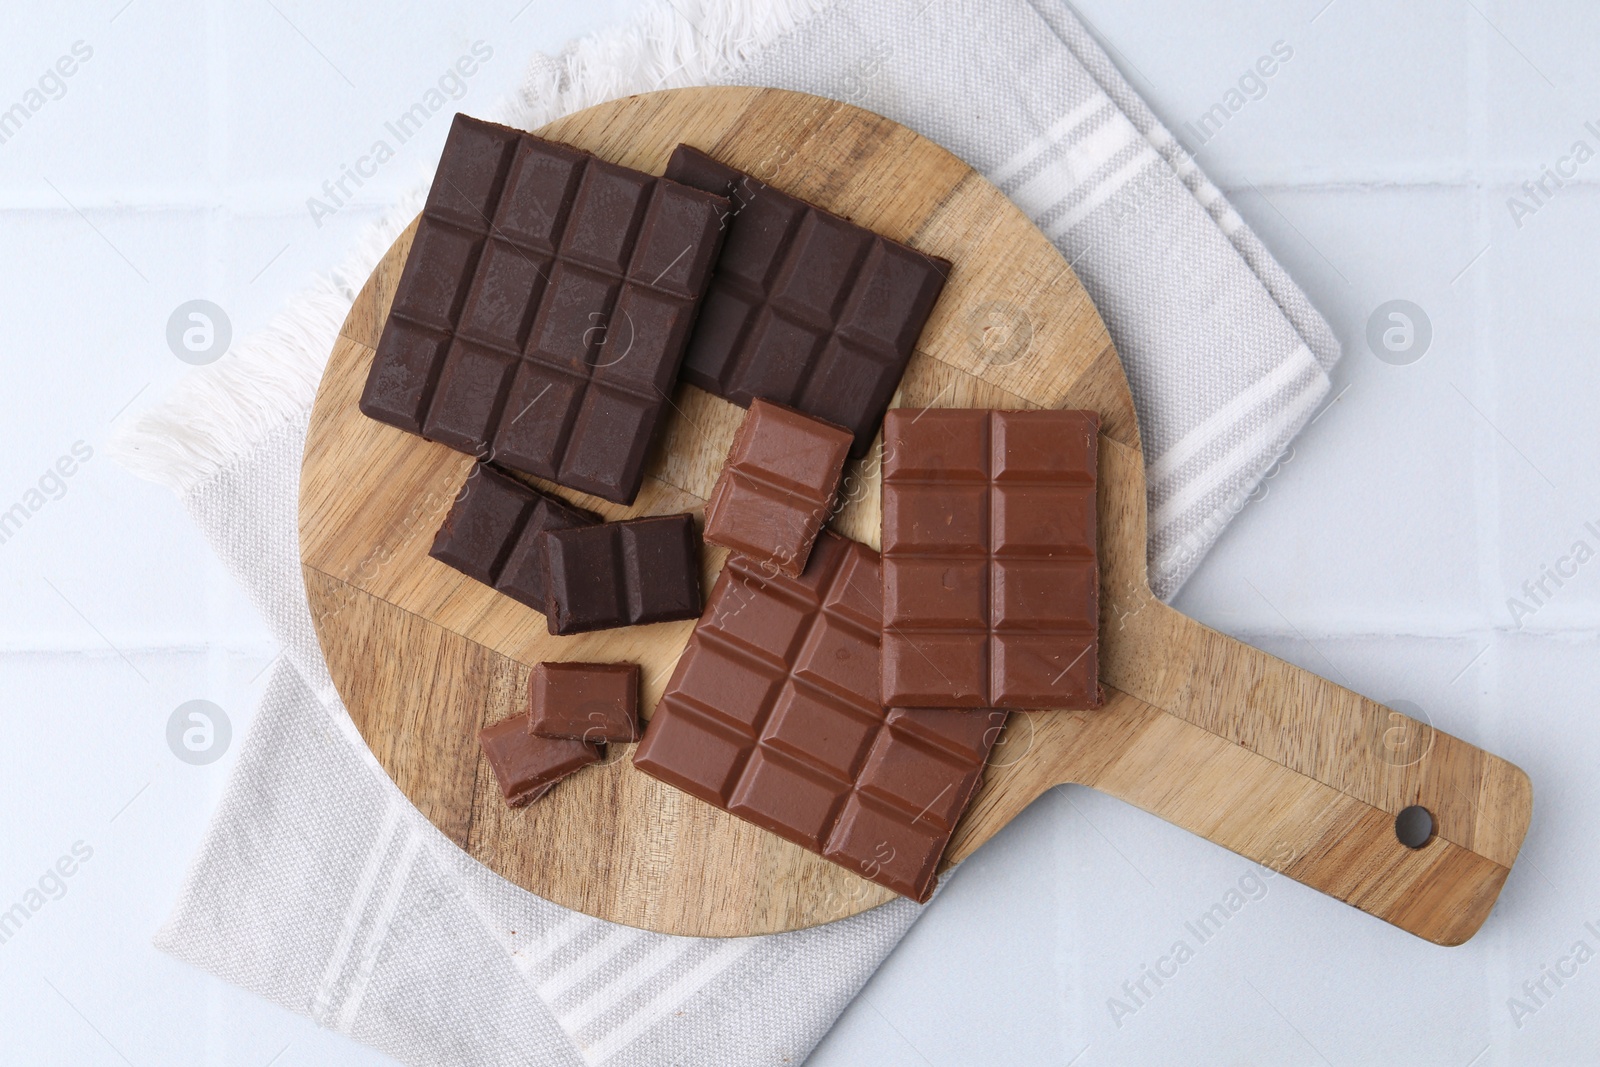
{"type": "Point", "coordinates": [492, 533]}
{"type": "Point", "coordinates": [990, 585]}
{"type": "Point", "coordinates": [622, 573]}
{"type": "Point", "coordinates": [594, 702]}
{"type": "Point", "coordinates": [772, 714]}
{"type": "Point", "coordinates": [527, 767]}
{"type": "Point", "coordinates": [776, 489]}
{"type": "Point", "coordinates": [544, 308]}
{"type": "Point", "coordinates": [805, 307]}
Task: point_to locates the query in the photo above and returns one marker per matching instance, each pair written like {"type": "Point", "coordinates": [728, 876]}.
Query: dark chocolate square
{"type": "Point", "coordinates": [482, 525]}
{"type": "Point", "coordinates": [505, 292]}
{"type": "Point", "coordinates": [404, 373]}
{"type": "Point", "coordinates": [610, 431]}
{"type": "Point", "coordinates": [466, 185]}
{"type": "Point", "coordinates": [433, 294]}
{"type": "Point", "coordinates": [662, 563]}
{"type": "Point", "coordinates": [646, 324]}
{"type": "Point", "coordinates": [537, 419]}
{"type": "Point", "coordinates": [467, 400]}
{"type": "Point", "coordinates": [544, 176]}
{"type": "Point", "coordinates": [605, 216]}
{"type": "Point", "coordinates": [627, 573]}
{"type": "Point", "coordinates": [587, 587]}
{"type": "Point", "coordinates": [491, 533]}
{"type": "Point", "coordinates": [573, 319]}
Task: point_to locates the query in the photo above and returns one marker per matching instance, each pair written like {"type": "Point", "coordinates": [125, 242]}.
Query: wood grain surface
{"type": "Point", "coordinates": [1265, 759]}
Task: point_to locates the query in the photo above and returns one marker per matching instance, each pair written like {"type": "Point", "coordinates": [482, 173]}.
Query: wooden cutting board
{"type": "Point", "coordinates": [1265, 759]}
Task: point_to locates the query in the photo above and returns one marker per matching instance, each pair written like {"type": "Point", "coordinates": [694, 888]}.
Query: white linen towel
{"type": "Point", "coordinates": [321, 888]}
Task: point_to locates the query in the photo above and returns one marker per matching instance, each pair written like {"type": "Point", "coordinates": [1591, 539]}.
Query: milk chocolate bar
{"type": "Point", "coordinates": [594, 702]}
{"type": "Point", "coordinates": [622, 573]}
{"type": "Point", "coordinates": [772, 714]}
{"type": "Point", "coordinates": [777, 487]}
{"type": "Point", "coordinates": [990, 584]}
{"type": "Point", "coordinates": [805, 308]}
{"type": "Point", "coordinates": [492, 533]}
{"type": "Point", "coordinates": [544, 307]}
{"type": "Point", "coordinates": [527, 767]}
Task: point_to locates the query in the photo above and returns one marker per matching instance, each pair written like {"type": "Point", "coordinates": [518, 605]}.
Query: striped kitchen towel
{"type": "Point", "coordinates": [321, 888]}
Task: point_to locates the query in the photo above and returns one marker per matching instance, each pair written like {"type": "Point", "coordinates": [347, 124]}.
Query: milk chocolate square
{"type": "Point", "coordinates": [777, 488]}
{"type": "Point", "coordinates": [594, 702]}
{"type": "Point", "coordinates": [527, 767]}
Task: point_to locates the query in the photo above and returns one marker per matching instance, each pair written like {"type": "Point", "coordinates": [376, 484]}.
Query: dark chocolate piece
{"type": "Point", "coordinates": [776, 489]}
{"type": "Point", "coordinates": [492, 533]}
{"type": "Point", "coordinates": [527, 767]}
{"type": "Point", "coordinates": [622, 573]}
{"type": "Point", "coordinates": [772, 714]}
{"type": "Point", "coordinates": [805, 307]}
{"type": "Point", "coordinates": [544, 308]}
{"type": "Point", "coordinates": [594, 702]}
{"type": "Point", "coordinates": [990, 585]}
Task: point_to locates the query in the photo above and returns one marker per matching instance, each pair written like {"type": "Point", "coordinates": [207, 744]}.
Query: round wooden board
{"type": "Point", "coordinates": [1262, 758]}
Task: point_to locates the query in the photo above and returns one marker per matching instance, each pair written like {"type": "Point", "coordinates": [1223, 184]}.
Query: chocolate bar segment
{"type": "Point", "coordinates": [990, 583]}
{"type": "Point", "coordinates": [544, 308]}
{"type": "Point", "coordinates": [777, 487]}
{"type": "Point", "coordinates": [492, 533]}
{"type": "Point", "coordinates": [593, 702]}
{"type": "Point", "coordinates": [622, 573]}
{"type": "Point", "coordinates": [527, 767]}
{"type": "Point", "coordinates": [805, 308]}
{"type": "Point", "coordinates": [772, 714]}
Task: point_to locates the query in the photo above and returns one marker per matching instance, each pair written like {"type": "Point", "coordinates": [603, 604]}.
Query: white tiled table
{"type": "Point", "coordinates": [177, 162]}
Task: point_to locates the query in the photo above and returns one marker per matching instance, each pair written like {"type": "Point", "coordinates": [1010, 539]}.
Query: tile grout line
{"type": "Point", "coordinates": [250, 200]}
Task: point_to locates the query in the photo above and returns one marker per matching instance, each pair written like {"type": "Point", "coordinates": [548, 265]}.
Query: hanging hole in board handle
{"type": "Point", "coordinates": [1414, 826]}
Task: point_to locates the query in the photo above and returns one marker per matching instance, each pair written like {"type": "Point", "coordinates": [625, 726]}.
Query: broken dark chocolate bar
{"type": "Point", "coordinates": [622, 573]}
{"type": "Point", "coordinates": [805, 308]}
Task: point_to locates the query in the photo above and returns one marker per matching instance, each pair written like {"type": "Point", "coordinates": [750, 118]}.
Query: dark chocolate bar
{"type": "Point", "coordinates": [772, 714]}
{"type": "Point", "coordinates": [805, 308]}
{"type": "Point", "coordinates": [527, 767]}
{"type": "Point", "coordinates": [990, 584]}
{"type": "Point", "coordinates": [492, 533]}
{"type": "Point", "coordinates": [594, 702]}
{"type": "Point", "coordinates": [622, 573]}
{"type": "Point", "coordinates": [544, 307]}
{"type": "Point", "coordinates": [776, 489]}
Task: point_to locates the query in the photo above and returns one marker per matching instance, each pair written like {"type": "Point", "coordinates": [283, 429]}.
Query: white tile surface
{"type": "Point", "coordinates": [1377, 164]}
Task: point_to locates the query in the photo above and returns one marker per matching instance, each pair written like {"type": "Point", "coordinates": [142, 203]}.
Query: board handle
{"type": "Point", "coordinates": [1288, 770]}
{"type": "Point", "coordinates": [1308, 778]}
